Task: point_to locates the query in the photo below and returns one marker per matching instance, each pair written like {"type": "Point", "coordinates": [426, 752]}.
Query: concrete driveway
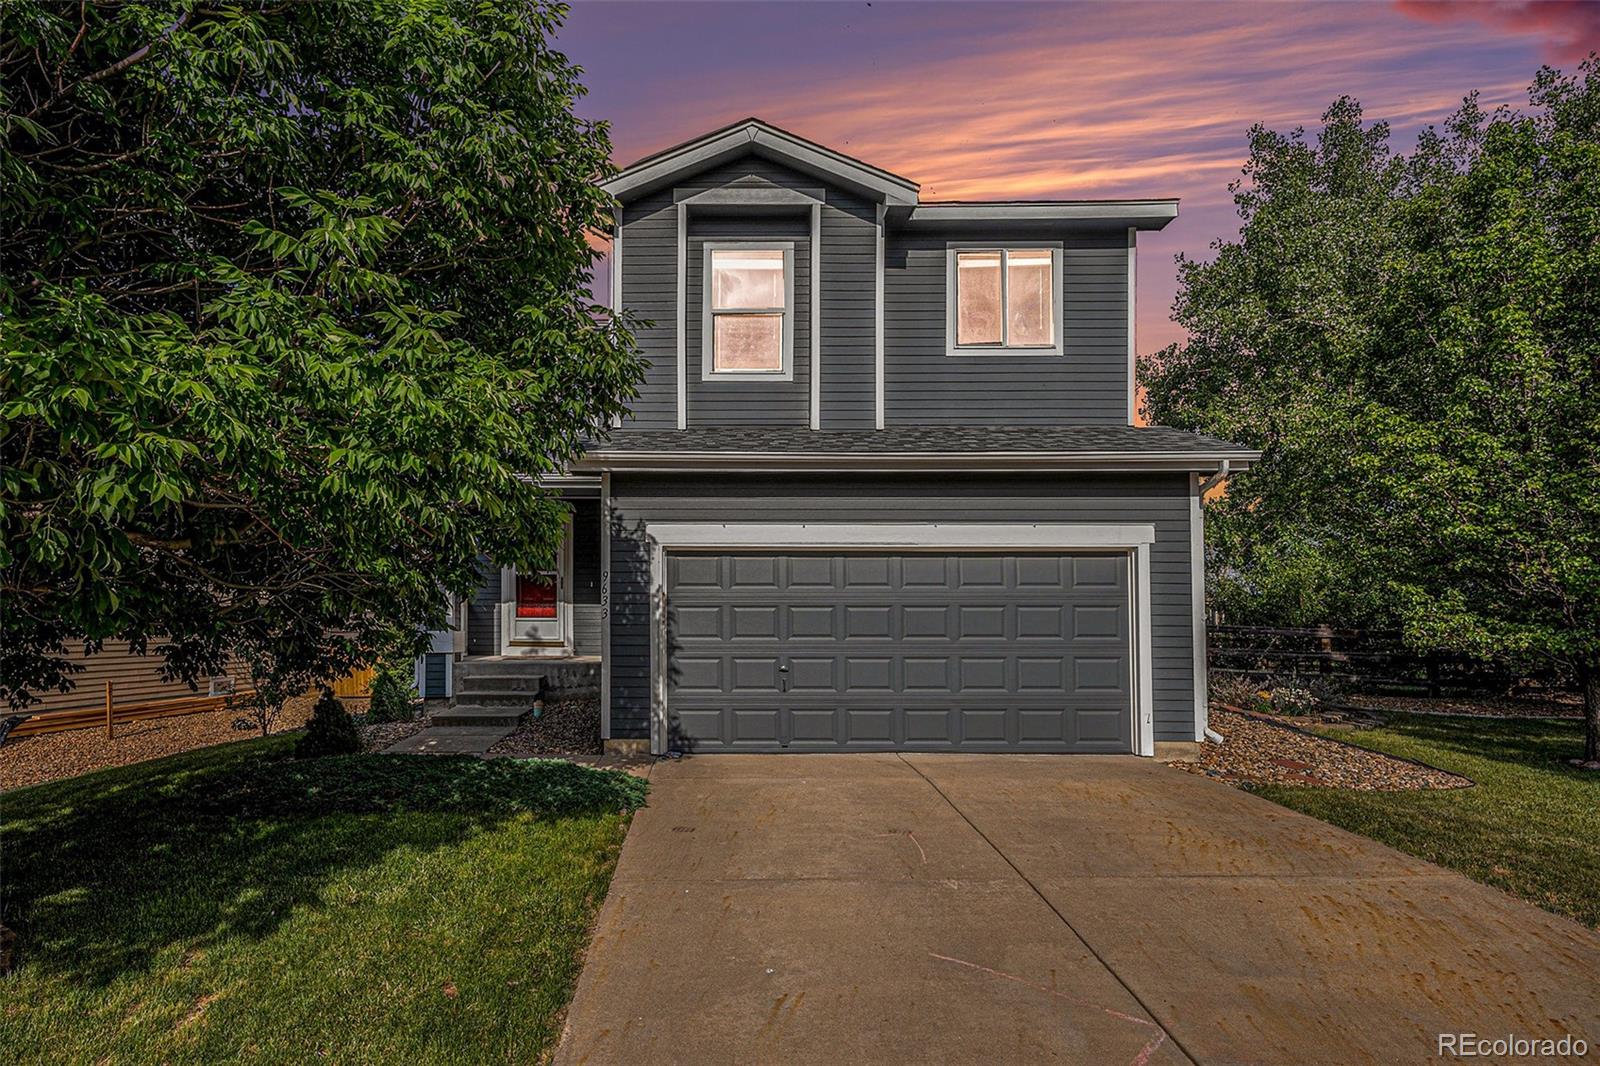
{"type": "Point", "coordinates": [1012, 908]}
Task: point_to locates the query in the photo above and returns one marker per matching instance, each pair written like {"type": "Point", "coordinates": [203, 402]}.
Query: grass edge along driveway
{"type": "Point", "coordinates": [234, 904]}
{"type": "Point", "coordinates": [1530, 826]}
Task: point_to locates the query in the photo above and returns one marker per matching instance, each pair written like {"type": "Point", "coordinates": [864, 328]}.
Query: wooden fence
{"type": "Point", "coordinates": [111, 714]}
{"type": "Point", "coordinates": [355, 685]}
{"type": "Point", "coordinates": [1350, 658]}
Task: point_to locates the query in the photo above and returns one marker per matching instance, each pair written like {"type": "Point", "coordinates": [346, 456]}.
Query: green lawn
{"type": "Point", "coordinates": [1531, 826]}
{"type": "Point", "coordinates": [234, 904]}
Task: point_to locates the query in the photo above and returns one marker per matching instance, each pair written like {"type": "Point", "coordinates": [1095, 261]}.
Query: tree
{"type": "Point", "coordinates": [331, 730]}
{"type": "Point", "coordinates": [1414, 342]}
{"type": "Point", "coordinates": [293, 309]}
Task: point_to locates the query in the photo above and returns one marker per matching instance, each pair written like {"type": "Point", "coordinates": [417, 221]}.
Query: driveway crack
{"type": "Point", "coordinates": [1062, 918]}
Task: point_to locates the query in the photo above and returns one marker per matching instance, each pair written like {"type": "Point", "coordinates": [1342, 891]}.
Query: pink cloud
{"type": "Point", "coordinates": [1570, 29]}
{"type": "Point", "coordinates": [1098, 100]}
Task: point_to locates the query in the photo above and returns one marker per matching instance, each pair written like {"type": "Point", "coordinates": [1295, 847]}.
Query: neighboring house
{"type": "Point", "coordinates": [882, 487]}
{"type": "Point", "coordinates": [133, 679]}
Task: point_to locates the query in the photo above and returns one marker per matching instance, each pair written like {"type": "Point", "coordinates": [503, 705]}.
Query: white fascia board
{"type": "Point", "coordinates": [880, 185]}
{"type": "Point", "coordinates": [1141, 214]}
{"type": "Point", "coordinates": [866, 463]}
{"type": "Point", "coordinates": [1055, 536]}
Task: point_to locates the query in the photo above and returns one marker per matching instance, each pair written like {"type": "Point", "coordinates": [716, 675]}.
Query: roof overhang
{"type": "Point", "coordinates": [1118, 214]}
{"type": "Point", "coordinates": [602, 459]}
{"type": "Point", "coordinates": [754, 136]}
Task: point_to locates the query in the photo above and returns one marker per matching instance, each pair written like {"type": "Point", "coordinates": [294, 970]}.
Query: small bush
{"type": "Point", "coordinates": [391, 698]}
{"type": "Point", "coordinates": [331, 730]}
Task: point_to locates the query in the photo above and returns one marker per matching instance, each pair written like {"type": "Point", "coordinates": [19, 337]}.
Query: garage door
{"type": "Point", "coordinates": [929, 651]}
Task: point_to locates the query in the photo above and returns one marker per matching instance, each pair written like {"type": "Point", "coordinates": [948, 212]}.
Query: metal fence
{"type": "Point", "coordinates": [1366, 659]}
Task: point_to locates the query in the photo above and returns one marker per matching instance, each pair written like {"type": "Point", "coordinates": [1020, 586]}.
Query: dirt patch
{"type": "Point", "coordinates": [1256, 749]}
{"type": "Point", "coordinates": [1553, 705]}
{"type": "Point", "coordinates": [570, 725]}
{"type": "Point", "coordinates": [53, 756]}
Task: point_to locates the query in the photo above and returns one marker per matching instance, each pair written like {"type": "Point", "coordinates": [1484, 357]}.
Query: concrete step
{"type": "Point", "coordinates": [498, 683]}
{"type": "Point", "coordinates": [560, 674]}
{"type": "Point", "coordinates": [470, 714]}
{"type": "Point", "coordinates": [517, 700]}
{"type": "Point", "coordinates": [449, 740]}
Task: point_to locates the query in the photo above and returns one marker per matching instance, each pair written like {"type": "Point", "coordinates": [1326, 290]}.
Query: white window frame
{"type": "Point", "coordinates": [951, 303]}
{"type": "Point", "coordinates": [708, 371]}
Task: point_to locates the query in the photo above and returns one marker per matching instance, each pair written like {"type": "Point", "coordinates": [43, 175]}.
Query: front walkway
{"type": "Point", "coordinates": [1042, 908]}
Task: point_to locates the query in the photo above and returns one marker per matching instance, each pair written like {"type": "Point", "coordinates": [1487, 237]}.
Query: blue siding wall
{"type": "Point", "coordinates": [1087, 384]}
{"type": "Point", "coordinates": [649, 289]}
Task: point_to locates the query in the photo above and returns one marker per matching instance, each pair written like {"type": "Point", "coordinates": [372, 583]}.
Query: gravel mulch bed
{"type": "Point", "coordinates": [570, 725]}
{"type": "Point", "coordinates": [52, 756]}
{"type": "Point", "coordinates": [1554, 705]}
{"type": "Point", "coordinates": [380, 735]}
{"type": "Point", "coordinates": [1257, 749]}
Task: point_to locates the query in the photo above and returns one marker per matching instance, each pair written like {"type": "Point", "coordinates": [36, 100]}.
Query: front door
{"type": "Point", "coordinates": [537, 606]}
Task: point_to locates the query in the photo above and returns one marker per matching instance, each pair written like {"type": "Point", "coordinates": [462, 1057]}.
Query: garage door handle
{"type": "Point", "coordinates": [783, 678]}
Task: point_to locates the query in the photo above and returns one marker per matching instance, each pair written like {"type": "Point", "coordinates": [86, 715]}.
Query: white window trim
{"type": "Point", "coordinates": [1136, 540]}
{"type": "Point", "coordinates": [1057, 288]}
{"type": "Point", "coordinates": [707, 336]}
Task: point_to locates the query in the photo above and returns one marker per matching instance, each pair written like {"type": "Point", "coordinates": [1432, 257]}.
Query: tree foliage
{"type": "Point", "coordinates": [294, 301]}
{"type": "Point", "coordinates": [1414, 342]}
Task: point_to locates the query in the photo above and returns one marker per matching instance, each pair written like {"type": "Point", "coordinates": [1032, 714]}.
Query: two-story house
{"type": "Point", "coordinates": [882, 488]}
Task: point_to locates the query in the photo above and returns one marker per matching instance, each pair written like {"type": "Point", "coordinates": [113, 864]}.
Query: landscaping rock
{"type": "Point", "coordinates": [570, 725]}
{"type": "Point", "coordinates": [52, 756]}
{"type": "Point", "coordinates": [379, 735]}
{"type": "Point", "coordinates": [1256, 749]}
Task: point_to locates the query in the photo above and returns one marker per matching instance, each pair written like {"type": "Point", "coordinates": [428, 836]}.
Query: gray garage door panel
{"type": "Point", "coordinates": [916, 652]}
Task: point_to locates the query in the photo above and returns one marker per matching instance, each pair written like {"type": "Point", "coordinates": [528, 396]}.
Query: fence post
{"type": "Point", "coordinates": [108, 710]}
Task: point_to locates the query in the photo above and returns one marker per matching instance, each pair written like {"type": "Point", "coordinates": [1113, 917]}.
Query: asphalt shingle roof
{"type": "Point", "coordinates": [796, 440]}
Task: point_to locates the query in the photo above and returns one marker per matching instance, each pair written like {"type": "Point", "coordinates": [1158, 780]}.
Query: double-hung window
{"type": "Point", "coordinates": [748, 324]}
{"type": "Point", "coordinates": [1004, 299]}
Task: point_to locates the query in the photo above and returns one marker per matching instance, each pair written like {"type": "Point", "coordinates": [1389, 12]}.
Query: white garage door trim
{"type": "Point", "coordinates": [1135, 540]}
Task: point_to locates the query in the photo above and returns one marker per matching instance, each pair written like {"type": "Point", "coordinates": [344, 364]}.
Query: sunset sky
{"type": "Point", "coordinates": [1043, 101]}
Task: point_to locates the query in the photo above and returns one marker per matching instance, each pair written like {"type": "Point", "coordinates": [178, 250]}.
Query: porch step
{"type": "Point", "coordinates": [513, 674]}
{"type": "Point", "coordinates": [473, 682]}
{"type": "Point", "coordinates": [508, 700]}
{"type": "Point", "coordinates": [475, 714]}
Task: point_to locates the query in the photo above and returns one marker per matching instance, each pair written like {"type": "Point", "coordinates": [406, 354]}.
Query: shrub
{"type": "Point", "coordinates": [331, 730]}
{"type": "Point", "coordinates": [391, 698]}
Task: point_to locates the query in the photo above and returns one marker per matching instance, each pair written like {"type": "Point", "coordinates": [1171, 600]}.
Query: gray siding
{"type": "Point", "coordinates": [586, 577]}
{"type": "Point", "coordinates": [1087, 384]}
{"type": "Point", "coordinates": [747, 403]}
{"type": "Point", "coordinates": [649, 290]}
{"type": "Point", "coordinates": [849, 313]}
{"type": "Point", "coordinates": [483, 613]}
{"type": "Point", "coordinates": [1161, 500]}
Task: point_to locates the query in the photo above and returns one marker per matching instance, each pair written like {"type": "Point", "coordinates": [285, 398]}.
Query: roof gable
{"type": "Point", "coordinates": [752, 136]}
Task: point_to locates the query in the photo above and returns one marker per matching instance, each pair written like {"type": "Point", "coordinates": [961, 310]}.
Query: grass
{"type": "Point", "coordinates": [1531, 826]}
{"type": "Point", "coordinates": [233, 904]}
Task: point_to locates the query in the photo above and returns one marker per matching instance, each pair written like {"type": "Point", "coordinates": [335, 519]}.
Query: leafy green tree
{"type": "Point", "coordinates": [294, 301]}
{"type": "Point", "coordinates": [1414, 342]}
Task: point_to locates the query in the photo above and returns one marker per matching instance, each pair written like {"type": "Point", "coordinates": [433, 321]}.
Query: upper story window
{"type": "Point", "coordinates": [1004, 299]}
{"type": "Point", "coordinates": [749, 310]}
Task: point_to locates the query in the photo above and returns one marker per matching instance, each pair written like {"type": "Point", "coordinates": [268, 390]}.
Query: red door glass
{"type": "Point", "coordinates": [536, 596]}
